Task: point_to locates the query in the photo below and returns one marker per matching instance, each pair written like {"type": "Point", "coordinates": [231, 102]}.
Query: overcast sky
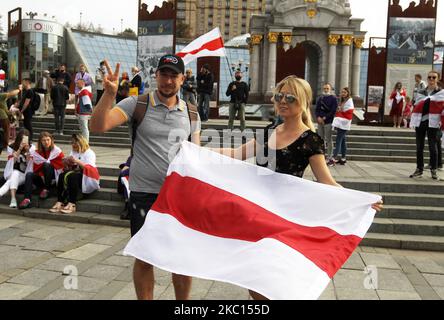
{"type": "Point", "coordinates": [108, 14]}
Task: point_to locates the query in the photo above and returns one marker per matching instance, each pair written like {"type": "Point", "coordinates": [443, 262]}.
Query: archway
{"type": "Point", "coordinates": [313, 63]}
{"type": "Point", "coordinates": [304, 60]}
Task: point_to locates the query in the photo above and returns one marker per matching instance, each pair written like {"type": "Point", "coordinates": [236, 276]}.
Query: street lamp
{"type": "Point", "coordinates": [31, 14]}
{"type": "Point", "coordinates": [238, 66]}
{"type": "Point", "coordinates": [121, 25]}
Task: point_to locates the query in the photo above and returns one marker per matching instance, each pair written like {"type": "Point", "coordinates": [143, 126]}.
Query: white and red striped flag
{"type": "Point", "coordinates": [436, 110]}
{"type": "Point", "coordinates": [226, 220]}
{"type": "Point", "coordinates": [210, 44]}
{"type": "Point", "coordinates": [344, 116]}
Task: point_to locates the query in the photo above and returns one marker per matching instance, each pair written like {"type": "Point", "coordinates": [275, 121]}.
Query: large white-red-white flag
{"type": "Point", "coordinates": [210, 44]}
{"type": "Point", "coordinates": [226, 220]}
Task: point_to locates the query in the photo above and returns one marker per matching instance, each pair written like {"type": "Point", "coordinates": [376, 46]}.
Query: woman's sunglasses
{"type": "Point", "coordinates": [432, 77]}
{"type": "Point", "coordinates": [289, 98]}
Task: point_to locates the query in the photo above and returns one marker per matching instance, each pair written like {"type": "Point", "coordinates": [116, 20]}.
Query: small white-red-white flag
{"type": "Point", "coordinates": [210, 44]}
{"type": "Point", "coordinates": [2, 78]}
{"type": "Point", "coordinates": [222, 219]}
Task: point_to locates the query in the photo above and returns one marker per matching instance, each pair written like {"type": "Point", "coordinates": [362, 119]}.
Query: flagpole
{"type": "Point", "coordinates": [228, 64]}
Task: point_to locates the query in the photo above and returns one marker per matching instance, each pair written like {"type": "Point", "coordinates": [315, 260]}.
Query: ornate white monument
{"type": "Point", "coordinates": [330, 38]}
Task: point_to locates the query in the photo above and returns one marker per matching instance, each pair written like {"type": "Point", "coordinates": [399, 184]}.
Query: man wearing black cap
{"type": "Point", "coordinates": [205, 82]}
{"type": "Point", "coordinates": [160, 129]}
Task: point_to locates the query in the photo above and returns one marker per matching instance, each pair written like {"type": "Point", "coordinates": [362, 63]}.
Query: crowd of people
{"type": "Point", "coordinates": [41, 166]}
{"type": "Point", "coordinates": [153, 117]}
{"type": "Point", "coordinates": [163, 111]}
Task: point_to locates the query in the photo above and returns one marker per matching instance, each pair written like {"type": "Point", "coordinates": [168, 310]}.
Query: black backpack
{"type": "Point", "coordinates": [36, 100]}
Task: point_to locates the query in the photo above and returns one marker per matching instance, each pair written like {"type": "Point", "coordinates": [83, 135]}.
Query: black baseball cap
{"type": "Point", "coordinates": [173, 62]}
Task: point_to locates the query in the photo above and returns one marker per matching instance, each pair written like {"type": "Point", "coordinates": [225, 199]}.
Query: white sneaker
{"type": "Point", "coordinates": [13, 203]}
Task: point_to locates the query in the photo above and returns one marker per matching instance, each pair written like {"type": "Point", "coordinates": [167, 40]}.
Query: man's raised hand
{"type": "Point", "coordinates": [111, 80]}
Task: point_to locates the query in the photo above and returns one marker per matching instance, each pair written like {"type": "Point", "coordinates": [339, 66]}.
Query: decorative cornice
{"type": "Point", "coordinates": [256, 39]}
{"type": "Point", "coordinates": [287, 37]}
{"type": "Point", "coordinates": [333, 39]}
{"type": "Point", "coordinates": [358, 42]}
{"type": "Point", "coordinates": [347, 40]}
{"type": "Point", "coordinates": [273, 37]}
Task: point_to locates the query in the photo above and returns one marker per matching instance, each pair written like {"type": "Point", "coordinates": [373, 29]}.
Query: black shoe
{"type": "Point", "coordinates": [416, 174]}
{"type": "Point", "coordinates": [124, 215]}
{"type": "Point", "coordinates": [342, 162]}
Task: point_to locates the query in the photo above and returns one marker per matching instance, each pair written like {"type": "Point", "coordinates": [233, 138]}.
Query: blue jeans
{"type": "Point", "coordinates": [204, 106]}
{"type": "Point", "coordinates": [341, 143]}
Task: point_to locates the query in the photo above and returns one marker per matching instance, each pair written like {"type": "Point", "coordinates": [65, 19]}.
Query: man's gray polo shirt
{"type": "Point", "coordinates": [159, 136]}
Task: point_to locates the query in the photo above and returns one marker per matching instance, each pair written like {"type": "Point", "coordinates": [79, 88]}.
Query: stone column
{"type": "Point", "coordinates": [357, 66]}
{"type": "Point", "coordinates": [287, 37]}
{"type": "Point", "coordinates": [345, 66]}
{"type": "Point", "coordinates": [332, 42]}
{"type": "Point", "coordinates": [255, 63]}
{"type": "Point", "coordinates": [272, 60]}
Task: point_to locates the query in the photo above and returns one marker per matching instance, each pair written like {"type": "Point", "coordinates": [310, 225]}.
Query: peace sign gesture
{"type": "Point", "coordinates": [111, 80]}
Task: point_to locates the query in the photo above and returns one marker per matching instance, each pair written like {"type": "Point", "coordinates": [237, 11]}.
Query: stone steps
{"type": "Point", "coordinates": [413, 199]}
{"type": "Point", "coordinates": [78, 217]}
{"type": "Point", "coordinates": [395, 241]}
{"type": "Point", "coordinates": [406, 242]}
{"type": "Point", "coordinates": [412, 212]}
{"type": "Point", "coordinates": [408, 227]}
{"type": "Point", "coordinates": [411, 219]}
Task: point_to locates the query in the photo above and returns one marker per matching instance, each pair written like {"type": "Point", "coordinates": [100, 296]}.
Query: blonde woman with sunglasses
{"type": "Point", "coordinates": [294, 143]}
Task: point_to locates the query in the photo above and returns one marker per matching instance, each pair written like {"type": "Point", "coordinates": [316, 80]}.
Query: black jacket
{"type": "Point", "coordinates": [326, 107]}
{"type": "Point", "coordinates": [66, 76]}
{"type": "Point", "coordinates": [240, 94]}
{"type": "Point", "coordinates": [205, 83]}
{"type": "Point", "coordinates": [136, 81]}
{"type": "Point", "coordinates": [59, 95]}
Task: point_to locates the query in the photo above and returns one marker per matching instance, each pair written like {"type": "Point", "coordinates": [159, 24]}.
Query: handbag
{"type": "Point", "coordinates": [134, 91]}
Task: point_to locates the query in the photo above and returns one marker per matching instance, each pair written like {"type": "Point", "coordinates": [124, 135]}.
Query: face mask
{"type": "Point", "coordinates": [238, 78]}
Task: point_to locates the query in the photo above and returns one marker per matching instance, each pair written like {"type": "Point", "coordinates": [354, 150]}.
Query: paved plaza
{"type": "Point", "coordinates": [41, 258]}
{"type": "Point", "coordinates": [53, 259]}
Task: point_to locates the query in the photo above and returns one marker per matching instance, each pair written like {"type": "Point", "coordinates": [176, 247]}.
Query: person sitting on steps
{"type": "Point", "coordinates": [47, 165]}
{"type": "Point", "coordinates": [80, 175]}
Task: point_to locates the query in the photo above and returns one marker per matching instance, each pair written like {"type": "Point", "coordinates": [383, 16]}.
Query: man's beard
{"type": "Point", "coordinates": [167, 96]}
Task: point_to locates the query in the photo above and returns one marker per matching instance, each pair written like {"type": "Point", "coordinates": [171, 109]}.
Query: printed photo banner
{"type": "Point", "coordinates": [156, 37]}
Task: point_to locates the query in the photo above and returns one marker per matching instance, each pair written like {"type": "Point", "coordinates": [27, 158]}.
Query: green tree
{"type": "Point", "coordinates": [183, 30]}
{"type": "Point", "coordinates": [128, 33]}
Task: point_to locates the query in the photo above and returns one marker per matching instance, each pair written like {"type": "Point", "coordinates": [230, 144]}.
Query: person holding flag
{"type": "Point", "coordinates": [342, 123]}
{"type": "Point", "coordinates": [428, 119]}
{"type": "Point", "coordinates": [222, 228]}
{"type": "Point", "coordinates": [47, 165]}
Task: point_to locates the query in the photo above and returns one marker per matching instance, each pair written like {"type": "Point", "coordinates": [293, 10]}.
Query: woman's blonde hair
{"type": "Point", "coordinates": [302, 90]}
{"type": "Point", "coordinates": [83, 144]}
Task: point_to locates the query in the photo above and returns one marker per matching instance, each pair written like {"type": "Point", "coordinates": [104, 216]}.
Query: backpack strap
{"type": "Point", "coordinates": [193, 115]}
{"type": "Point", "coordinates": [138, 115]}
